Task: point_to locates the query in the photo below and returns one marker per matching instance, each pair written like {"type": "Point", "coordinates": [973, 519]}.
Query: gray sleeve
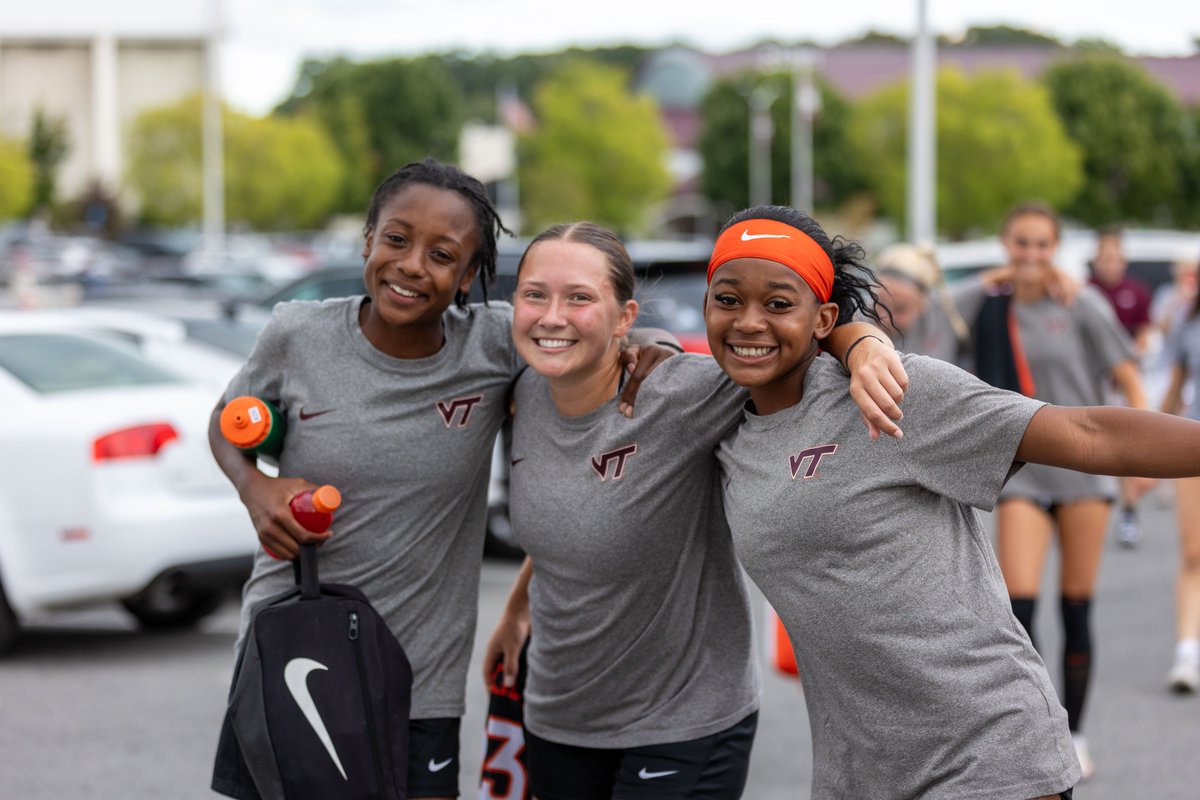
{"type": "Point", "coordinates": [702, 396]}
{"type": "Point", "coordinates": [262, 374]}
{"type": "Point", "coordinates": [1107, 342]}
{"type": "Point", "coordinates": [960, 434]}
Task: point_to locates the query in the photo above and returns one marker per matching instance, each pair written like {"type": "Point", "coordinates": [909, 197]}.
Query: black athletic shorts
{"type": "Point", "coordinates": [712, 767]}
{"type": "Point", "coordinates": [432, 761]}
{"type": "Point", "coordinates": [433, 757]}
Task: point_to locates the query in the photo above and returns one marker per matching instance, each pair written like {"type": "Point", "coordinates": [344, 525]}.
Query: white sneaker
{"type": "Point", "coordinates": [1085, 760]}
{"type": "Point", "coordinates": [1184, 677]}
{"type": "Point", "coordinates": [1129, 532]}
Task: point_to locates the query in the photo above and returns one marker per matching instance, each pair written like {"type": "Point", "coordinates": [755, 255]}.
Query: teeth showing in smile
{"type": "Point", "coordinates": [750, 352]}
{"type": "Point", "coordinates": [400, 290]}
{"type": "Point", "coordinates": [554, 342]}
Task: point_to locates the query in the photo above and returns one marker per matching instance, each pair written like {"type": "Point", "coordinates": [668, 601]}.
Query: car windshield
{"type": "Point", "coordinates": [232, 336]}
{"type": "Point", "coordinates": [52, 363]}
{"type": "Point", "coordinates": [673, 302]}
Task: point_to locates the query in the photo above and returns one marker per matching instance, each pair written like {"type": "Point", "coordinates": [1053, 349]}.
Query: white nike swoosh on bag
{"type": "Point", "coordinates": [644, 775]}
{"type": "Point", "coordinates": [435, 766]}
{"type": "Point", "coordinates": [295, 675]}
{"type": "Point", "coordinates": [747, 235]}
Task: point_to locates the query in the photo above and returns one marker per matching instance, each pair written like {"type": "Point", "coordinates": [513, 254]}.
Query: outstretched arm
{"type": "Point", "coordinates": [1107, 440]}
{"type": "Point", "coordinates": [877, 378]}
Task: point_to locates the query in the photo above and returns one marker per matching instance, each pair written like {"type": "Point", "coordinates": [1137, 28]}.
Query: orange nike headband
{"type": "Point", "coordinates": [780, 242]}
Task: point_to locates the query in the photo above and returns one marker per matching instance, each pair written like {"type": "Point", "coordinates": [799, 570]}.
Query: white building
{"type": "Point", "coordinates": [98, 65]}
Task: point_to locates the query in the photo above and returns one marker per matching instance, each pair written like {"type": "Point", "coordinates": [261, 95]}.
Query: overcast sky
{"type": "Point", "coordinates": [267, 38]}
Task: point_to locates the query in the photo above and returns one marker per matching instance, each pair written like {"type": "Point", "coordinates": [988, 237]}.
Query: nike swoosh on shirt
{"type": "Point", "coordinates": [438, 766]}
{"type": "Point", "coordinates": [645, 775]}
{"type": "Point", "coordinates": [748, 236]}
{"type": "Point", "coordinates": [516, 461]}
{"type": "Point", "coordinates": [295, 675]}
{"type": "Point", "coordinates": [310, 414]}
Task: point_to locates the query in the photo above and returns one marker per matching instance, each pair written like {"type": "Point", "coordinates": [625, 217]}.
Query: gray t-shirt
{"type": "Point", "coordinates": [408, 443]}
{"type": "Point", "coordinates": [919, 681]}
{"type": "Point", "coordinates": [640, 614]}
{"type": "Point", "coordinates": [1184, 347]}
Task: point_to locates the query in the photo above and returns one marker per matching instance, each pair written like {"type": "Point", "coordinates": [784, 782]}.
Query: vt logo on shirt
{"type": "Point", "coordinates": [611, 465]}
{"type": "Point", "coordinates": [464, 404]}
{"type": "Point", "coordinates": [816, 454]}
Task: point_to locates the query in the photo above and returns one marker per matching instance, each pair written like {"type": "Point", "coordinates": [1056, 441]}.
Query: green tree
{"type": "Point", "coordinates": [48, 146]}
{"type": "Point", "coordinates": [280, 173]}
{"type": "Point", "coordinates": [16, 179]}
{"type": "Point", "coordinates": [998, 142]}
{"type": "Point", "coordinates": [599, 152]}
{"type": "Point", "coordinates": [1006, 36]}
{"type": "Point", "coordinates": [724, 145]}
{"type": "Point", "coordinates": [1133, 135]}
{"type": "Point", "coordinates": [382, 114]}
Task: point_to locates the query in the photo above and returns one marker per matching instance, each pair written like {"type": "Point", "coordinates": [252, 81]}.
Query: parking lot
{"type": "Point", "coordinates": [92, 708]}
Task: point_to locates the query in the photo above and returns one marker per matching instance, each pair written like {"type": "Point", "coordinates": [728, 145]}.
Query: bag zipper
{"type": "Point", "coordinates": [366, 698]}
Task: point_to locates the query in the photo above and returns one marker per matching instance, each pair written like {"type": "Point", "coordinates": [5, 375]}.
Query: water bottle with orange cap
{"type": "Point", "coordinates": [253, 425]}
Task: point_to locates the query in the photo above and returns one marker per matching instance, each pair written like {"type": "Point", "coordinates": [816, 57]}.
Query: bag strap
{"type": "Point", "coordinates": [305, 567]}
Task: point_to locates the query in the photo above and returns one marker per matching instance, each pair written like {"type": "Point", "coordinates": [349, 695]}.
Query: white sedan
{"type": "Point", "coordinates": [107, 487]}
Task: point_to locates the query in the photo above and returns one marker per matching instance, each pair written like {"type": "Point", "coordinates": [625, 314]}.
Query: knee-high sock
{"type": "Point", "coordinates": [1023, 610]}
{"type": "Point", "coordinates": [1077, 656]}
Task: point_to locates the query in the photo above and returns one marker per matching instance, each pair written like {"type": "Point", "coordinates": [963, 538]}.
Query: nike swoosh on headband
{"type": "Point", "coordinates": [295, 675]}
{"type": "Point", "coordinates": [748, 236]}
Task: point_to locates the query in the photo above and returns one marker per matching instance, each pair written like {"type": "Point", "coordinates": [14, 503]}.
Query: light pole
{"type": "Point", "coordinates": [922, 133]}
{"type": "Point", "coordinates": [761, 131]}
{"type": "Point", "coordinates": [212, 143]}
{"type": "Point", "coordinates": [806, 104]}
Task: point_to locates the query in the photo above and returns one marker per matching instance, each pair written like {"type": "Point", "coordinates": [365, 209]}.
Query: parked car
{"type": "Point", "coordinates": [108, 491]}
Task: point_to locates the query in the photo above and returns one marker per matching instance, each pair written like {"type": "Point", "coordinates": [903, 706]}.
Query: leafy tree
{"type": "Point", "coordinates": [1133, 135]}
{"type": "Point", "coordinates": [724, 145]}
{"type": "Point", "coordinates": [48, 146]}
{"type": "Point", "coordinates": [599, 152]}
{"type": "Point", "coordinates": [1006, 36]}
{"type": "Point", "coordinates": [998, 142]}
{"type": "Point", "coordinates": [279, 172]}
{"type": "Point", "coordinates": [382, 114]}
{"type": "Point", "coordinates": [16, 179]}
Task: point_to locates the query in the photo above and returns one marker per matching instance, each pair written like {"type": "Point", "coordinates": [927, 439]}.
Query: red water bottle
{"type": "Point", "coordinates": [314, 508]}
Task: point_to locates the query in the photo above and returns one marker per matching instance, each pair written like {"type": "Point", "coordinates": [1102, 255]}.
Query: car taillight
{"type": "Point", "coordinates": [137, 442]}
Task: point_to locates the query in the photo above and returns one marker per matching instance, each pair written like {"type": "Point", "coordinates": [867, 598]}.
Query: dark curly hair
{"type": "Point", "coordinates": [854, 283]}
{"type": "Point", "coordinates": [447, 176]}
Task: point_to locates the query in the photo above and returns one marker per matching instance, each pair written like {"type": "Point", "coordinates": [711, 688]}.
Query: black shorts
{"type": "Point", "coordinates": [432, 761]}
{"type": "Point", "coordinates": [711, 767]}
{"type": "Point", "coordinates": [433, 757]}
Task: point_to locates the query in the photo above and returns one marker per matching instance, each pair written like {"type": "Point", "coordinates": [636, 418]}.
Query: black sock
{"type": "Point", "coordinates": [1022, 608]}
{"type": "Point", "coordinates": [1077, 657]}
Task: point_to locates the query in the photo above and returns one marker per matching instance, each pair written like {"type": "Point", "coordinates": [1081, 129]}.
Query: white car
{"type": "Point", "coordinates": [108, 490]}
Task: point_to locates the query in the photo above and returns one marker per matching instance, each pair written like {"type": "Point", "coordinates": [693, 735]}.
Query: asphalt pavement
{"type": "Point", "coordinates": [91, 708]}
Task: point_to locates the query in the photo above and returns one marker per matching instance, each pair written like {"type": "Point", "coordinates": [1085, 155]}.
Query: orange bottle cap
{"type": "Point", "coordinates": [245, 421]}
{"type": "Point", "coordinates": [326, 498]}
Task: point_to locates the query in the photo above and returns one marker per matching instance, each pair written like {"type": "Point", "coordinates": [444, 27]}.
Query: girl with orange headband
{"type": "Point", "coordinates": [642, 672]}
{"type": "Point", "coordinates": [919, 680]}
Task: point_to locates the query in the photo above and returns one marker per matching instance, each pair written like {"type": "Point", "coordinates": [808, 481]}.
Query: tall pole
{"type": "Point", "coordinates": [212, 143]}
{"type": "Point", "coordinates": [761, 132]}
{"type": "Point", "coordinates": [806, 102]}
{"type": "Point", "coordinates": [922, 133]}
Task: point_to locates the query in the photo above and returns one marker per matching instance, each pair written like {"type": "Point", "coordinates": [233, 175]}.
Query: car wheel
{"type": "Point", "coordinates": [171, 604]}
{"type": "Point", "coordinates": [9, 625]}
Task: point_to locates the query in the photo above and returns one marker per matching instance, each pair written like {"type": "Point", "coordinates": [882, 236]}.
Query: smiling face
{"type": "Point", "coordinates": [567, 321]}
{"type": "Point", "coordinates": [418, 256]}
{"type": "Point", "coordinates": [1030, 241]}
{"type": "Point", "coordinates": [763, 321]}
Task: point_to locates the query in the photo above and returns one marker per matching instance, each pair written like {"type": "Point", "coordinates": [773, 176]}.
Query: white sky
{"type": "Point", "coordinates": [267, 38]}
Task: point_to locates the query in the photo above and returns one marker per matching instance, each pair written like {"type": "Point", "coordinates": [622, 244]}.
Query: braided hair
{"type": "Point", "coordinates": [447, 176]}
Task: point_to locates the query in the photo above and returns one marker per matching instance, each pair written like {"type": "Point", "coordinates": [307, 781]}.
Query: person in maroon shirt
{"type": "Point", "coordinates": [1130, 299]}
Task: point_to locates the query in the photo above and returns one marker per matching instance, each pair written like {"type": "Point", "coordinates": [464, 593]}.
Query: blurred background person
{"type": "Point", "coordinates": [1183, 348]}
{"type": "Point", "coordinates": [921, 315]}
{"type": "Point", "coordinates": [1130, 299]}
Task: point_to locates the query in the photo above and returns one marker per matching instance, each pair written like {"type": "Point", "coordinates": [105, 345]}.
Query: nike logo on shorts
{"type": "Point", "coordinates": [438, 766]}
{"type": "Point", "coordinates": [310, 414]}
{"type": "Point", "coordinates": [295, 676]}
{"type": "Point", "coordinates": [646, 775]}
{"type": "Point", "coordinates": [747, 236]}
